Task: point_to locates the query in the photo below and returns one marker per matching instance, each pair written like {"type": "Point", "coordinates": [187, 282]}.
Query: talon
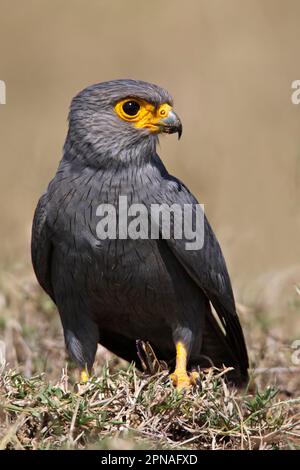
{"type": "Point", "coordinates": [195, 376]}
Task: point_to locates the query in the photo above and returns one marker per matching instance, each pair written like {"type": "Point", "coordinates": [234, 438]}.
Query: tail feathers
{"type": "Point", "coordinates": [217, 351]}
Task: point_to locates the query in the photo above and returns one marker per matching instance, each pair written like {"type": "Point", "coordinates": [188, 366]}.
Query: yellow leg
{"type": "Point", "coordinates": [180, 377]}
{"type": "Point", "coordinates": [84, 376]}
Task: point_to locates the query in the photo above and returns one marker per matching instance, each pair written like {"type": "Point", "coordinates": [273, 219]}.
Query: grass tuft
{"type": "Point", "coordinates": [42, 405]}
{"type": "Point", "coordinates": [142, 412]}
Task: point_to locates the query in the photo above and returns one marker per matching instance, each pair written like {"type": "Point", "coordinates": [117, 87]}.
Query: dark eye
{"type": "Point", "coordinates": [131, 107]}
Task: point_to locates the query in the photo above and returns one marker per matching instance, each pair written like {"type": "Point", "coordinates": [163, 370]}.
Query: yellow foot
{"type": "Point", "coordinates": [84, 376]}
{"type": "Point", "coordinates": [183, 380]}
{"type": "Point", "coordinates": [195, 375]}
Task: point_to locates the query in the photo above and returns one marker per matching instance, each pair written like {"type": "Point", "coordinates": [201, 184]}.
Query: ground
{"type": "Point", "coordinates": [42, 405]}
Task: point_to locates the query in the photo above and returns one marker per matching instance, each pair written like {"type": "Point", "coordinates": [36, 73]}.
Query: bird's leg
{"type": "Point", "coordinates": [180, 377]}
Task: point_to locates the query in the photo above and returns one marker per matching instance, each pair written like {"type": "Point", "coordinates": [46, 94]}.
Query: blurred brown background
{"type": "Point", "coordinates": [229, 66]}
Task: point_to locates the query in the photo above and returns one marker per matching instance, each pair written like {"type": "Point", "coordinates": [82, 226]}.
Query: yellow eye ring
{"type": "Point", "coordinates": [128, 109]}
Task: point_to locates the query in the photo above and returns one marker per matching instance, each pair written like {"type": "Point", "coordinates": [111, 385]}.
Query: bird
{"type": "Point", "coordinates": [117, 290]}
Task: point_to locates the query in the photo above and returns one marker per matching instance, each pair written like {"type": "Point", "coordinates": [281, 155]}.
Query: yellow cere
{"type": "Point", "coordinates": [147, 116]}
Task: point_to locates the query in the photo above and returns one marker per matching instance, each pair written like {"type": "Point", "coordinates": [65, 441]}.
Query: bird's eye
{"type": "Point", "coordinates": [131, 108]}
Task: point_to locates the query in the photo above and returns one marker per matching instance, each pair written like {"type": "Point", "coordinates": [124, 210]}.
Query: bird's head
{"type": "Point", "coordinates": [120, 120]}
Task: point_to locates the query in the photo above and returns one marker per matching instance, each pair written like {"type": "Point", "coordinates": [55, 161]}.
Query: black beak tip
{"type": "Point", "coordinates": [179, 132]}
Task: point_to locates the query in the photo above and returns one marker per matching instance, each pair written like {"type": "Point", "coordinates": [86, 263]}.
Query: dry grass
{"type": "Point", "coordinates": [43, 407]}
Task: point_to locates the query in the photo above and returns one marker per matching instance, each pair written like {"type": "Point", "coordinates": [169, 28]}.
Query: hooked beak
{"type": "Point", "coordinates": [171, 124]}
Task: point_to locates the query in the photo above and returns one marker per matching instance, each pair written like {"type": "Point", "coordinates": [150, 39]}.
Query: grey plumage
{"type": "Point", "coordinates": [117, 291]}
